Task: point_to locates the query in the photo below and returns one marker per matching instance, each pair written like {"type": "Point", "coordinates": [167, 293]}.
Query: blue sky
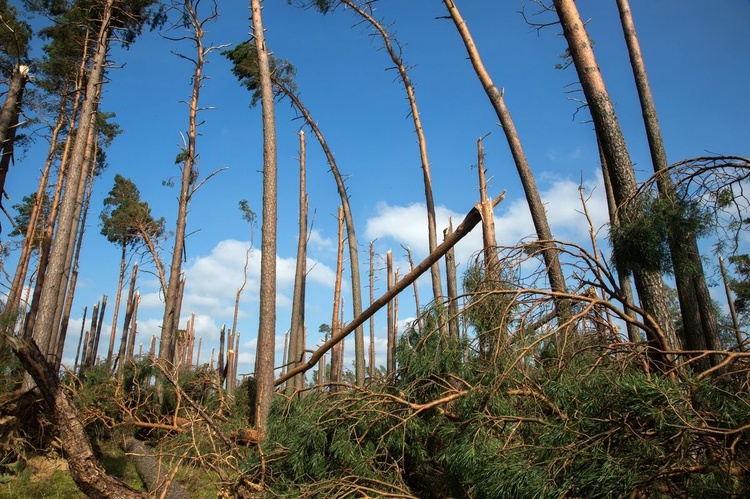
{"type": "Point", "coordinates": [697, 55]}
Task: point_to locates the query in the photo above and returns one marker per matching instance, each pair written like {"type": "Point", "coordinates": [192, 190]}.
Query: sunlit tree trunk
{"type": "Point", "coordinates": [351, 236]}
{"type": "Point", "coordinates": [338, 351]}
{"type": "Point", "coordinates": [296, 333]}
{"type": "Point", "coordinates": [534, 201]}
{"type": "Point", "coordinates": [9, 119]}
{"type": "Point", "coordinates": [265, 350]}
{"type": "Point", "coordinates": [649, 285]}
{"type": "Point", "coordinates": [58, 262]}
{"type": "Point", "coordinates": [700, 326]}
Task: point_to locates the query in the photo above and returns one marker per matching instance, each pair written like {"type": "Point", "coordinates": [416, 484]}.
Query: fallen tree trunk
{"type": "Point", "coordinates": [469, 222]}
{"type": "Point", "coordinates": [153, 473]}
{"type": "Point", "coordinates": [84, 467]}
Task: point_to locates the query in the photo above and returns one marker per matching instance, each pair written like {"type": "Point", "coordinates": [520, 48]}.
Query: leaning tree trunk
{"type": "Point", "coordinates": [338, 350]}
{"type": "Point", "coordinates": [153, 472]}
{"type": "Point", "coordinates": [649, 285]}
{"type": "Point", "coordinates": [118, 296]}
{"type": "Point", "coordinates": [536, 207]}
{"type": "Point", "coordinates": [437, 287]}
{"type": "Point", "coordinates": [83, 464]}
{"type": "Point", "coordinates": [58, 260]}
{"type": "Point", "coordinates": [700, 327]}
{"type": "Point", "coordinates": [265, 351]}
{"type": "Point", "coordinates": [297, 330]}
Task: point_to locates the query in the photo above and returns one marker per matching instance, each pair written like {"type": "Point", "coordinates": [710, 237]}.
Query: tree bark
{"type": "Point", "coordinates": [265, 350]}
{"type": "Point", "coordinates": [84, 467]}
{"type": "Point", "coordinates": [9, 119]}
{"type": "Point", "coordinates": [118, 296]}
{"type": "Point", "coordinates": [153, 473]}
{"type": "Point", "coordinates": [452, 284]}
{"type": "Point", "coordinates": [700, 326]}
{"type": "Point", "coordinates": [338, 350]}
{"type": "Point", "coordinates": [119, 361]}
{"type": "Point", "coordinates": [538, 213]}
{"type": "Point", "coordinates": [391, 346]}
{"type": "Point", "coordinates": [55, 275]}
{"type": "Point", "coordinates": [649, 285]}
{"type": "Point", "coordinates": [297, 331]}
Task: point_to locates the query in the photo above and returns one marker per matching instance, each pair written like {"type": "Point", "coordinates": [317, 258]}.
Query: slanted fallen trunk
{"type": "Point", "coordinates": [153, 473]}
{"type": "Point", "coordinates": [84, 467]}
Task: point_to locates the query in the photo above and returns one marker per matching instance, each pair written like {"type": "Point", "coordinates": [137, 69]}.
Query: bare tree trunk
{"type": "Point", "coordinates": [351, 235]}
{"type": "Point", "coordinates": [649, 285]}
{"type": "Point", "coordinates": [373, 367]}
{"type": "Point", "coordinates": [437, 287]}
{"type": "Point", "coordinates": [9, 119]}
{"type": "Point", "coordinates": [84, 466]}
{"type": "Point", "coordinates": [296, 332]}
{"type": "Point", "coordinates": [730, 304]}
{"type": "Point", "coordinates": [417, 306]}
{"type": "Point", "coordinates": [698, 316]}
{"type": "Point", "coordinates": [538, 213]}
{"type": "Point", "coordinates": [452, 284]}
{"type": "Point", "coordinates": [80, 339]}
{"type": "Point", "coordinates": [153, 472]}
{"type": "Point", "coordinates": [265, 351]}
{"type": "Point", "coordinates": [119, 362]}
{"type": "Point", "coordinates": [59, 264]}
{"type": "Point", "coordinates": [338, 351]}
{"type": "Point", "coordinates": [118, 296]}
{"type": "Point", "coordinates": [391, 344]}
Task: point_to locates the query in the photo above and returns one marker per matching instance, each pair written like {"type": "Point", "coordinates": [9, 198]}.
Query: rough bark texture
{"type": "Point", "coordinates": [649, 285]}
{"type": "Point", "coordinates": [265, 351]}
{"type": "Point", "coordinates": [157, 478]}
{"type": "Point", "coordinates": [538, 213]}
{"type": "Point", "coordinates": [338, 350]}
{"type": "Point", "coordinates": [700, 326]}
{"type": "Point", "coordinates": [84, 467]}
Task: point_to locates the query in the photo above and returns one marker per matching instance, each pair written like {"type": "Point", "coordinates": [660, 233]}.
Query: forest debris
{"type": "Point", "coordinates": [153, 472]}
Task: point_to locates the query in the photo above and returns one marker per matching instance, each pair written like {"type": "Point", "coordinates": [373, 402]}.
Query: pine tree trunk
{"type": "Point", "coordinates": [9, 119]}
{"type": "Point", "coordinates": [391, 345]}
{"type": "Point", "coordinates": [536, 207]}
{"type": "Point", "coordinates": [452, 286]}
{"type": "Point", "coordinates": [699, 319]}
{"type": "Point", "coordinates": [118, 296]}
{"type": "Point", "coordinates": [296, 332]}
{"type": "Point", "coordinates": [351, 235]}
{"type": "Point", "coordinates": [265, 350]}
{"type": "Point", "coordinates": [338, 350]}
{"type": "Point", "coordinates": [58, 262]}
{"type": "Point", "coordinates": [649, 285]}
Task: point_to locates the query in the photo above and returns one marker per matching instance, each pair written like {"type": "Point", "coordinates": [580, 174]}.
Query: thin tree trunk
{"type": "Point", "coordinates": [296, 332]}
{"type": "Point", "coordinates": [416, 288]}
{"type": "Point", "coordinates": [730, 304]}
{"type": "Point", "coordinates": [118, 296]}
{"type": "Point", "coordinates": [373, 367]}
{"type": "Point", "coordinates": [351, 235]}
{"type": "Point", "coordinates": [129, 306]}
{"type": "Point", "coordinates": [337, 352]}
{"type": "Point", "coordinates": [133, 330]}
{"type": "Point", "coordinates": [265, 350]}
{"type": "Point", "coordinates": [452, 284]}
{"type": "Point", "coordinates": [649, 285]}
{"type": "Point", "coordinates": [9, 119]}
{"type": "Point", "coordinates": [391, 344]}
{"type": "Point", "coordinates": [437, 287]}
{"type": "Point", "coordinates": [80, 339]}
{"type": "Point", "coordinates": [538, 213]}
